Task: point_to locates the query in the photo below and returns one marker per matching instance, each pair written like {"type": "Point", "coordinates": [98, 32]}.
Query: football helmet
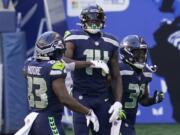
{"type": "Point", "coordinates": [92, 19]}
{"type": "Point", "coordinates": [134, 50]}
{"type": "Point", "coordinates": [49, 46]}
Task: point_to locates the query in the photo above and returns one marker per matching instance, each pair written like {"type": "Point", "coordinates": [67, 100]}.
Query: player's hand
{"type": "Point", "coordinates": [115, 111]}
{"type": "Point", "coordinates": [122, 115]}
{"type": "Point", "coordinates": [91, 117]}
{"type": "Point", "coordinates": [152, 68]}
{"type": "Point", "coordinates": [100, 64]}
{"type": "Point", "coordinates": [158, 96]}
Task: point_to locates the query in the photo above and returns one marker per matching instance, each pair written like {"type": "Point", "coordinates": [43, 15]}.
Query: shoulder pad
{"type": "Point", "coordinates": [67, 33]}
{"type": "Point", "coordinates": [110, 39]}
{"type": "Point", "coordinates": [72, 32]}
{"type": "Point", "coordinates": [110, 36]}
{"type": "Point", "coordinates": [58, 69]}
{"type": "Point", "coordinates": [75, 35]}
{"type": "Point", "coordinates": [58, 65]}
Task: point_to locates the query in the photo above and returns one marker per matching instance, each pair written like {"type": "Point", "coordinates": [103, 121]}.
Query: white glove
{"type": "Point", "coordinates": [158, 96]}
{"type": "Point", "coordinates": [91, 117]}
{"type": "Point", "coordinates": [115, 110]}
{"type": "Point", "coordinates": [100, 64]}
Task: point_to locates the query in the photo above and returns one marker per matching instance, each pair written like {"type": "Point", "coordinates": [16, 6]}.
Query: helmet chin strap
{"type": "Point", "coordinates": [136, 64]}
{"type": "Point", "coordinates": [139, 65]}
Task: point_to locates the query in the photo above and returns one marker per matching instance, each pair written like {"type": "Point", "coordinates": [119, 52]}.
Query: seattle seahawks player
{"type": "Point", "coordinates": [90, 85]}
{"type": "Point", "coordinates": [136, 75]}
{"type": "Point", "coordinates": [45, 74]}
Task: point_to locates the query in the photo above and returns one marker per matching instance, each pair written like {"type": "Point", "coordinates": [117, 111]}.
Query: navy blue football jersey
{"type": "Point", "coordinates": [40, 75]}
{"type": "Point", "coordinates": [100, 46]}
{"type": "Point", "coordinates": [133, 88]}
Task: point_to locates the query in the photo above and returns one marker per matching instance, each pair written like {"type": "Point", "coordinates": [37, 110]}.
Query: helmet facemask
{"type": "Point", "coordinates": [58, 52]}
{"type": "Point", "coordinates": [140, 57]}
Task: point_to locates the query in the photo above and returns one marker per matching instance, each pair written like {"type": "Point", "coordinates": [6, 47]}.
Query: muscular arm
{"type": "Point", "coordinates": [116, 78]}
{"type": "Point", "coordinates": [69, 55]}
{"type": "Point", "coordinates": [61, 92]}
{"type": "Point", "coordinates": [146, 100]}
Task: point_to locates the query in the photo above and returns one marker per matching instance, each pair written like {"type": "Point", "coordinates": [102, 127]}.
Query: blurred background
{"type": "Point", "coordinates": [158, 21]}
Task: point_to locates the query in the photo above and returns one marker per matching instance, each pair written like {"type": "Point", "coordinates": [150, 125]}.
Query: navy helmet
{"type": "Point", "coordinates": [92, 18]}
{"type": "Point", "coordinates": [133, 50]}
{"type": "Point", "coordinates": [49, 46]}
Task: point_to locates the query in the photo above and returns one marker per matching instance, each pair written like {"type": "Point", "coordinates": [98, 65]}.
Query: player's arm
{"type": "Point", "coordinates": [61, 92]}
{"type": "Point", "coordinates": [147, 100]}
{"type": "Point", "coordinates": [116, 79]}
{"type": "Point", "coordinates": [69, 55]}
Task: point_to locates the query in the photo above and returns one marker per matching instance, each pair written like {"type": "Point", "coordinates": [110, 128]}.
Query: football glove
{"type": "Point", "coordinates": [122, 115]}
{"type": "Point", "coordinates": [115, 128]}
{"type": "Point", "coordinates": [158, 96]}
{"type": "Point", "coordinates": [100, 64]}
{"type": "Point", "coordinates": [115, 111]}
{"type": "Point", "coordinates": [91, 117]}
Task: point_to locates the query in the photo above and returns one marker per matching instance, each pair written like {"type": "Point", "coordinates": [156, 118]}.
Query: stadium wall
{"type": "Point", "coordinates": [14, 89]}
{"type": "Point", "coordinates": [1, 81]}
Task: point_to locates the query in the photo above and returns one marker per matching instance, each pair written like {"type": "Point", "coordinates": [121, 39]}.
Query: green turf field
{"type": "Point", "coordinates": [172, 129]}
{"type": "Point", "coordinates": [156, 129]}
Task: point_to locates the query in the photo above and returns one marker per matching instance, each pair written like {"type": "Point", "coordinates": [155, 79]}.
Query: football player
{"type": "Point", "coordinates": [90, 85]}
{"type": "Point", "coordinates": [136, 75]}
{"type": "Point", "coordinates": [47, 94]}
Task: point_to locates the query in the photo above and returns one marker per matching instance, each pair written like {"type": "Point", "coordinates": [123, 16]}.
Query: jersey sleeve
{"type": "Point", "coordinates": [67, 34]}
{"type": "Point", "coordinates": [112, 40]}
{"type": "Point", "coordinates": [116, 48]}
{"type": "Point", "coordinates": [57, 70]}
